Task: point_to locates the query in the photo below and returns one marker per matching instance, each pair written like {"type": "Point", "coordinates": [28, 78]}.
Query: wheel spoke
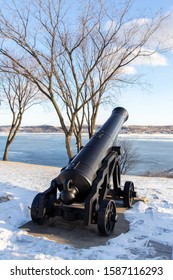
{"type": "Point", "coordinates": [106, 217]}
{"type": "Point", "coordinates": [128, 194]}
{"type": "Point", "coordinates": [38, 209]}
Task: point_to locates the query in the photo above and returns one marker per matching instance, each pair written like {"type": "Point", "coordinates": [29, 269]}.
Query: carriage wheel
{"type": "Point", "coordinates": [106, 217]}
{"type": "Point", "coordinates": [128, 197]}
{"type": "Point", "coordinates": [38, 209]}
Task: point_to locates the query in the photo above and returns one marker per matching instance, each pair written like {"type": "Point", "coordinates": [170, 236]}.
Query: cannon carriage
{"type": "Point", "coordinates": [88, 187]}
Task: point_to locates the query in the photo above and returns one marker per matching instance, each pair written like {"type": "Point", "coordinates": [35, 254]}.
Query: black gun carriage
{"type": "Point", "coordinates": [88, 187]}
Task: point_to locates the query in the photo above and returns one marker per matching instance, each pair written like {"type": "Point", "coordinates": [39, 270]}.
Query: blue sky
{"type": "Point", "coordinates": [154, 105]}
{"type": "Point", "coordinates": [150, 105]}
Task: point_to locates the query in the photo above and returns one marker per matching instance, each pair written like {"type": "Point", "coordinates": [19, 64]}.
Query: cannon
{"type": "Point", "coordinates": [88, 187]}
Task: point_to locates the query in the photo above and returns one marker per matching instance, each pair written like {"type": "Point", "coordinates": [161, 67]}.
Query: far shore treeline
{"type": "Point", "coordinates": [125, 130]}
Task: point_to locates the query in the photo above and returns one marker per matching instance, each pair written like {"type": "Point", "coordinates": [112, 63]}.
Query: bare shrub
{"type": "Point", "coordinates": [129, 156]}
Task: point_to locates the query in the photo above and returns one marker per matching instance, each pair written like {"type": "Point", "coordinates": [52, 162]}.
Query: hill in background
{"type": "Point", "coordinates": [137, 129]}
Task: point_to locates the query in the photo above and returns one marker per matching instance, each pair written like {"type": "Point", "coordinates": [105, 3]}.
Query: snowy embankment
{"type": "Point", "coordinates": [151, 221]}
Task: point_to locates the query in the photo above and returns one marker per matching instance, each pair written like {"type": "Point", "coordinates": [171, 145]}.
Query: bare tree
{"type": "Point", "coordinates": [75, 59]}
{"type": "Point", "coordinates": [129, 157]}
{"type": "Point", "coordinates": [21, 95]}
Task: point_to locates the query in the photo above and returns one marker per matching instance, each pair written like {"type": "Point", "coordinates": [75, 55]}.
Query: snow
{"type": "Point", "coordinates": [151, 220]}
{"type": "Point", "coordinates": [148, 137]}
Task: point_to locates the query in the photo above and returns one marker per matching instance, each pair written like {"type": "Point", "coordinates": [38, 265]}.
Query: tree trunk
{"type": "Point", "coordinates": [13, 131]}
{"type": "Point", "coordinates": [68, 145]}
{"type": "Point", "coordinates": [92, 126]}
{"type": "Point", "coordinates": [5, 156]}
{"type": "Point", "coordinates": [67, 133]}
{"type": "Point", "coordinates": [78, 141]}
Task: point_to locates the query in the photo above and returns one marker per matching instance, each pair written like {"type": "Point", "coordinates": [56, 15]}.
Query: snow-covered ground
{"type": "Point", "coordinates": [151, 221]}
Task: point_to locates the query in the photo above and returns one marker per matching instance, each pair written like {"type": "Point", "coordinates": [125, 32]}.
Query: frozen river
{"type": "Point", "coordinates": [154, 151]}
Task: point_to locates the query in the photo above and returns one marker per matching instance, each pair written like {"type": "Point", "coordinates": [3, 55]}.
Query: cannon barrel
{"type": "Point", "coordinates": [76, 179]}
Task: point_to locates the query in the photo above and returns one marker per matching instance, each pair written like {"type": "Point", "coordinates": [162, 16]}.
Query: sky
{"type": "Point", "coordinates": [151, 104]}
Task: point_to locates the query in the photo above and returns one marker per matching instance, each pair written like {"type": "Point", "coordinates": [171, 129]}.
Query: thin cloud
{"type": "Point", "coordinates": [129, 70]}
{"type": "Point", "coordinates": [166, 32]}
{"type": "Point", "coordinates": [154, 59]}
{"type": "Point", "coordinates": [161, 39]}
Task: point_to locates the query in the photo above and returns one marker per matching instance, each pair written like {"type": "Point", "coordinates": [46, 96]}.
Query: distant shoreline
{"type": "Point", "coordinates": [132, 129]}
{"type": "Point", "coordinates": [146, 136]}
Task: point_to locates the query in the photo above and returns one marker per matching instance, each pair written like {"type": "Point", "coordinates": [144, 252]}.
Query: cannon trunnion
{"type": "Point", "coordinates": [88, 187]}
